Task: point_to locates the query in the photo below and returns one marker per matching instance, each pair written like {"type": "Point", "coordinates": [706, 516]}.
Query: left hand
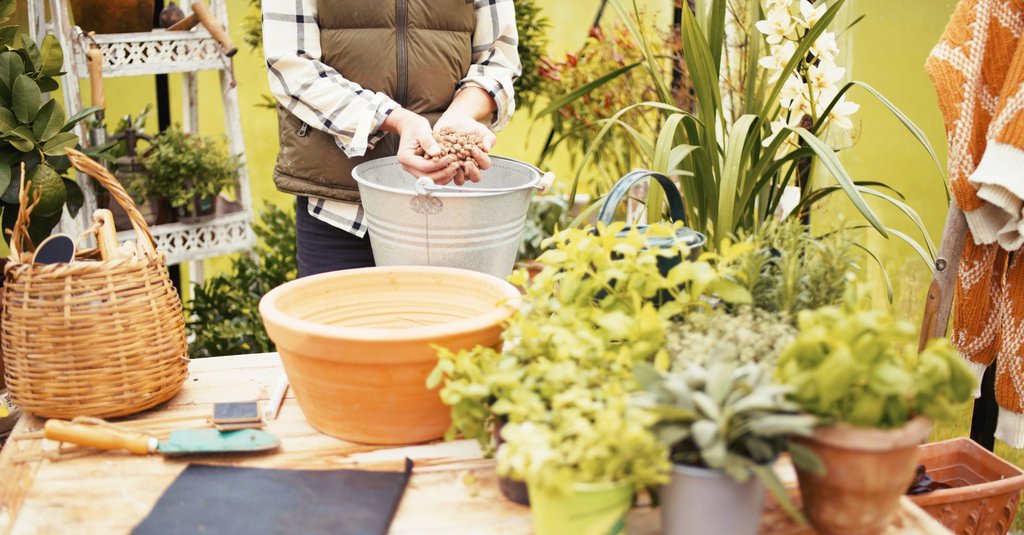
{"type": "Point", "coordinates": [465, 124]}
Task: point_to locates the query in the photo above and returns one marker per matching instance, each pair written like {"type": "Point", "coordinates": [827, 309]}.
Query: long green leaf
{"type": "Point", "coordinates": [771, 481]}
{"type": "Point", "coordinates": [705, 84]}
{"type": "Point", "coordinates": [907, 210]}
{"type": "Point", "coordinates": [596, 142]}
{"type": "Point", "coordinates": [915, 130]}
{"type": "Point", "coordinates": [831, 162]}
{"type": "Point", "coordinates": [881, 268]}
{"type": "Point", "coordinates": [732, 169]}
{"type": "Point", "coordinates": [584, 89]}
{"type": "Point", "coordinates": [928, 259]}
{"type": "Point", "coordinates": [716, 32]}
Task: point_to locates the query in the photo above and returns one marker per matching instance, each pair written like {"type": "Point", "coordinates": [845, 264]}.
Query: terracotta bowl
{"type": "Point", "coordinates": [357, 345]}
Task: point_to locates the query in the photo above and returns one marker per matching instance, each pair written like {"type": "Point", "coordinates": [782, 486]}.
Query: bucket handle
{"type": "Point", "coordinates": [618, 192]}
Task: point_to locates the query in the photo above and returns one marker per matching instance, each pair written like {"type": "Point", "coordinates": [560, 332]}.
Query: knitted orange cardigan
{"type": "Point", "coordinates": [978, 72]}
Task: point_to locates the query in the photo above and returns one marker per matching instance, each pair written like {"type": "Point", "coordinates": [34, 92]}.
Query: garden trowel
{"type": "Point", "coordinates": [181, 442]}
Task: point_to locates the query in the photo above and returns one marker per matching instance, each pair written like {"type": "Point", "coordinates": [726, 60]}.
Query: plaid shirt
{"type": "Point", "coordinates": [322, 98]}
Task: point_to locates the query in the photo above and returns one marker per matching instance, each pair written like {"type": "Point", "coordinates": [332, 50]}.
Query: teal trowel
{"type": "Point", "coordinates": [181, 442]}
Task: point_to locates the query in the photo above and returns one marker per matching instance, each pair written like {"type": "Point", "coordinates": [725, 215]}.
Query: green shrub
{"type": "Point", "coordinates": [224, 316]}
{"type": "Point", "coordinates": [181, 166]}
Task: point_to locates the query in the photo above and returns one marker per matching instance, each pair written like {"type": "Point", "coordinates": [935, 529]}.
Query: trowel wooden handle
{"type": "Point", "coordinates": [106, 236]}
{"type": "Point", "coordinates": [216, 30]}
{"type": "Point", "coordinates": [94, 57]}
{"type": "Point", "coordinates": [92, 436]}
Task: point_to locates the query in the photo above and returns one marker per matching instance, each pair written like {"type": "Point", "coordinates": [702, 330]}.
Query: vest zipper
{"type": "Point", "coordinates": [303, 130]}
{"type": "Point", "coordinates": [403, 60]}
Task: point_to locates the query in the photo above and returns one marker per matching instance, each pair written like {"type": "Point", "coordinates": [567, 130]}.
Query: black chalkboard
{"type": "Point", "coordinates": [255, 501]}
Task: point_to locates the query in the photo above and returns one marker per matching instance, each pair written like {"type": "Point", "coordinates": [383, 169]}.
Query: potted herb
{"type": "Point", "coordinates": [724, 424]}
{"type": "Point", "coordinates": [746, 335]}
{"type": "Point", "coordinates": [590, 308]}
{"type": "Point", "coordinates": [188, 170]}
{"type": "Point", "coordinates": [583, 463]}
{"type": "Point", "coordinates": [859, 371]}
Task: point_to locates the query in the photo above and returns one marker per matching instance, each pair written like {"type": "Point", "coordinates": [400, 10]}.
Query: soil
{"type": "Point", "coordinates": [458, 146]}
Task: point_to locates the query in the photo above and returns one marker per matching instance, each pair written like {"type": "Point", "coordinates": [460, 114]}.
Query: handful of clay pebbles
{"type": "Point", "coordinates": [457, 145]}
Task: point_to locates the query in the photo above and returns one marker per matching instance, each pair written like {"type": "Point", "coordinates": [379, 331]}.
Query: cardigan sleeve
{"type": "Point", "coordinates": [999, 177]}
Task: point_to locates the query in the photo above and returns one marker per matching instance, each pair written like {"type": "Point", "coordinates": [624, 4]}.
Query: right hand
{"type": "Point", "coordinates": [414, 132]}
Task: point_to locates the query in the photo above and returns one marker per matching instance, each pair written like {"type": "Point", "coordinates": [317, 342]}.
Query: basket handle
{"type": "Point", "coordinates": [90, 167]}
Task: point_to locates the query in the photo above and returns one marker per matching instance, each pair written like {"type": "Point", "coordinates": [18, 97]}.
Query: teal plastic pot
{"type": "Point", "coordinates": [591, 509]}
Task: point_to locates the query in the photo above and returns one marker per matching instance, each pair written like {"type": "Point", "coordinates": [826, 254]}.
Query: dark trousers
{"type": "Point", "coordinates": [321, 247]}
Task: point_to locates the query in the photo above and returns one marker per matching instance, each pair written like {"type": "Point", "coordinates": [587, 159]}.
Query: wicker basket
{"type": "Point", "coordinates": [99, 338]}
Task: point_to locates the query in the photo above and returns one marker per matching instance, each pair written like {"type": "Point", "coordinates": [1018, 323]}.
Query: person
{"type": "Point", "coordinates": [358, 80]}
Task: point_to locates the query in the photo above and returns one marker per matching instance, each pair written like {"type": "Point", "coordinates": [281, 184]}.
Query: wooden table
{"type": "Point", "coordinates": [452, 491]}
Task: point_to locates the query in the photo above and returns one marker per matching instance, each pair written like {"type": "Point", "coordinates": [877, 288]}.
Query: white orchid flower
{"type": "Point", "coordinates": [792, 94]}
{"type": "Point", "coordinates": [811, 15]}
{"type": "Point", "coordinates": [825, 46]}
{"type": "Point", "coordinates": [780, 56]}
{"type": "Point", "coordinates": [825, 75]}
{"type": "Point", "coordinates": [776, 27]}
{"type": "Point", "coordinates": [841, 112]}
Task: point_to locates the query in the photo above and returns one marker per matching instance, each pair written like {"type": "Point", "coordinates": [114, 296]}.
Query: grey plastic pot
{"type": "Point", "coordinates": [698, 501]}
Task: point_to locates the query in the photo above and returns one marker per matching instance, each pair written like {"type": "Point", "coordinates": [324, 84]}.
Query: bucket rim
{"type": "Point", "coordinates": [469, 193]}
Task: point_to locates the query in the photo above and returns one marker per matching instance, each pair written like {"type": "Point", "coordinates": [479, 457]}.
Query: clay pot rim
{"type": "Point", "coordinates": [989, 488]}
{"type": "Point", "coordinates": [272, 314]}
{"type": "Point", "coordinates": [848, 437]}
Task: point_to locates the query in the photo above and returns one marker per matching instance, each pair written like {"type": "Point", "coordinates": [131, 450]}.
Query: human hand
{"type": "Point", "coordinates": [464, 124]}
{"type": "Point", "coordinates": [414, 134]}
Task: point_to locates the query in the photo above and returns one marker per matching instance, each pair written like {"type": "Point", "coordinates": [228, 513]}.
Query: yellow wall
{"type": "Point", "coordinates": [890, 46]}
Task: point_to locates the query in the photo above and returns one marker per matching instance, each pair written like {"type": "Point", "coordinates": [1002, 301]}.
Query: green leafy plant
{"type": "Point", "coordinates": [533, 41]}
{"type": "Point", "coordinates": [861, 367]}
{"type": "Point", "coordinates": [787, 268]}
{"type": "Point", "coordinates": [745, 335]}
{"type": "Point", "coordinates": [34, 130]}
{"type": "Point", "coordinates": [590, 437]}
{"type": "Point", "coordinates": [223, 316]}
{"type": "Point", "coordinates": [182, 166]}
{"type": "Point", "coordinates": [734, 172]}
{"type": "Point", "coordinates": [725, 417]}
{"type": "Point", "coordinates": [588, 317]}
{"type": "Point", "coordinates": [603, 155]}
{"type": "Point", "coordinates": [546, 215]}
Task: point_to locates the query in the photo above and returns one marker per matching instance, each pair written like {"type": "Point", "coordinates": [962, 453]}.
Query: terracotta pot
{"type": "Point", "coordinates": [867, 472]}
{"type": "Point", "coordinates": [113, 16]}
{"type": "Point", "coordinates": [358, 345]}
{"type": "Point", "coordinates": [986, 489]}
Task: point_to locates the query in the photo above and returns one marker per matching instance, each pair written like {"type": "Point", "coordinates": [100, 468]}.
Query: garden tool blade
{"type": "Point", "coordinates": [202, 441]}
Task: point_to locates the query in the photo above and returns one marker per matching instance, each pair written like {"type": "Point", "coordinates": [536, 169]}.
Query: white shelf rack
{"type": "Point", "coordinates": [147, 54]}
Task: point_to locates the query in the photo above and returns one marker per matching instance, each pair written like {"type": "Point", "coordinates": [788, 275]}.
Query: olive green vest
{"type": "Point", "coordinates": [414, 51]}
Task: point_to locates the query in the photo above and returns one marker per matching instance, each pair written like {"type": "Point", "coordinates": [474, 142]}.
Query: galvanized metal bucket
{"type": "Point", "coordinates": [477, 226]}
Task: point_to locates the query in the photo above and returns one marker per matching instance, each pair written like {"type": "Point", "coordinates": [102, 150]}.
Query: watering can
{"type": "Point", "coordinates": [685, 235]}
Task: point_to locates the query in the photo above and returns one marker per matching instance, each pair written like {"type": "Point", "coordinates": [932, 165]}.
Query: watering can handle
{"type": "Point", "coordinates": [621, 188]}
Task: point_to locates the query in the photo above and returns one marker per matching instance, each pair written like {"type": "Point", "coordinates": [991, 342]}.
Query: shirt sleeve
{"type": "Point", "coordinates": [313, 91]}
{"type": "Point", "coordinates": [495, 57]}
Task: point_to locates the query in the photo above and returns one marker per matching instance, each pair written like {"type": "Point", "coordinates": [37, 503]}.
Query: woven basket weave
{"type": "Point", "coordinates": [94, 337]}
